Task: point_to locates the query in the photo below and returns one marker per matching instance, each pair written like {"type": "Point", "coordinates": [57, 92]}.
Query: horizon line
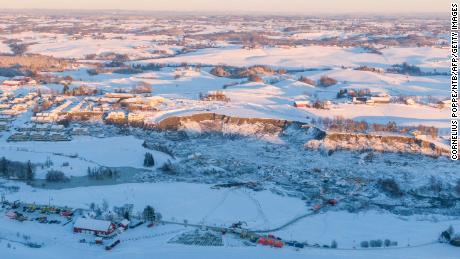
{"type": "Point", "coordinates": [412, 13]}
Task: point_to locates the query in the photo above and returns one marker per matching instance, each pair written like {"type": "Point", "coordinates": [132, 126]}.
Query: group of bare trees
{"type": "Point", "coordinates": [18, 48]}
{"type": "Point", "coordinates": [326, 81]}
{"type": "Point", "coordinates": [252, 73]}
{"type": "Point", "coordinates": [307, 80]}
{"type": "Point", "coordinates": [55, 176]}
{"type": "Point", "coordinates": [341, 124]}
{"type": "Point", "coordinates": [17, 170]}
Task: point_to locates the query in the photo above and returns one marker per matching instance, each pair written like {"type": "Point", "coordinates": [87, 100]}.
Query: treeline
{"type": "Point", "coordinates": [243, 72]}
{"type": "Point", "coordinates": [13, 71]}
{"type": "Point", "coordinates": [324, 81]}
{"type": "Point", "coordinates": [101, 173]}
{"type": "Point", "coordinates": [16, 170]}
{"type": "Point", "coordinates": [252, 39]}
{"type": "Point", "coordinates": [404, 69]}
{"type": "Point", "coordinates": [34, 63]}
{"type": "Point", "coordinates": [55, 176]}
{"type": "Point", "coordinates": [340, 124]}
{"type": "Point", "coordinates": [82, 90]}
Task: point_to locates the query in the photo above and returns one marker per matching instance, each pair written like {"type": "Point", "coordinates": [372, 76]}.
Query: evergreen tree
{"type": "Point", "coordinates": [149, 213]}
{"type": "Point", "coordinates": [29, 171]}
{"type": "Point", "coordinates": [4, 167]}
{"type": "Point", "coordinates": [65, 89]}
{"type": "Point", "coordinates": [149, 161]}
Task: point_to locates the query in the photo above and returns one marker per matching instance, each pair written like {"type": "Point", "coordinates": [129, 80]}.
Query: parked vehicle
{"type": "Point", "coordinates": [270, 240]}
{"type": "Point", "coordinates": [112, 245]}
{"type": "Point", "coordinates": [66, 213]}
{"type": "Point", "coordinates": [299, 245]}
{"type": "Point", "coordinates": [135, 225]}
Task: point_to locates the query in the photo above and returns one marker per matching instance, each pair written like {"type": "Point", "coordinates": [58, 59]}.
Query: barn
{"type": "Point", "coordinates": [93, 226]}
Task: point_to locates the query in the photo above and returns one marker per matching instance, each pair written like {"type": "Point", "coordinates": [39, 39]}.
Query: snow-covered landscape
{"type": "Point", "coordinates": [139, 135]}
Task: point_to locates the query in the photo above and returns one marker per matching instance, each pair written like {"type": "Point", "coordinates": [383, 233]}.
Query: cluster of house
{"type": "Point", "coordinates": [381, 98]}
{"type": "Point", "coordinates": [214, 96]}
{"type": "Point", "coordinates": [40, 132]}
{"type": "Point", "coordinates": [19, 81]}
{"type": "Point", "coordinates": [14, 106]}
{"type": "Point", "coordinates": [357, 96]}
{"type": "Point", "coordinates": [112, 107]}
{"type": "Point", "coordinates": [363, 95]}
{"type": "Point", "coordinates": [5, 122]}
{"type": "Point", "coordinates": [11, 107]}
{"type": "Point", "coordinates": [130, 108]}
{"type": "Point", "coordinates": [52, 115]}
{"type": "Point", "coordinates": [123, 108]}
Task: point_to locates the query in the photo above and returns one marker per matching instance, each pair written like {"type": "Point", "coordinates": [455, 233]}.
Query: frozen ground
{"type": "Point", "coordinates": [81, 153]}
{"type": "Point", "coordinates": [291, 179]}
{"type": "Point", "coordinates": [199, 203]}
{"type": "Point", "coordinates": [315, 56]}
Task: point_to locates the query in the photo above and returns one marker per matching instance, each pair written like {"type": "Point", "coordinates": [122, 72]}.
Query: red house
{"type": "Point", "coordinates": [93, 226]}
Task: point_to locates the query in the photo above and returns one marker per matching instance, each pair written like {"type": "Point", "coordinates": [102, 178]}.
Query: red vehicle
{"type": "Point", "coordinates": [270, 240]}
{"type": "Point", "coordinates": [278, 244]}
{"type": "Point", "coordinates": [316, 207]}
{"type": "Point", "coordinates": [66, 213]}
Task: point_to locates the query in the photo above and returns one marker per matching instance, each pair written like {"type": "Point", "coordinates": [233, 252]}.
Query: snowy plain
{"type": "Point", "coordinates": [197, 202]}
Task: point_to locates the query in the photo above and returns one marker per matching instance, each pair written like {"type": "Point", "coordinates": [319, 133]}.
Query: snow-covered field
{"type": "Point", "coordinates": [276, 100]}
{"type": "Point", "coordinates": [316, 57]}
{"type": "Point", "coordinates": [200, 204]}
{"type": "Point", "coordinates": [81, 153]}
{"type": "Point", "coordinates": [185, 50]}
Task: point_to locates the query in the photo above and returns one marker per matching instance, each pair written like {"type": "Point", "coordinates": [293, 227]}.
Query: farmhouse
{"type": "Point", "coordinates": [372, 99]}
{"type": "Point", "coordinates": [93, 226]}
{"type": "Point", "coordinates": [381, 99]}
{"type": "Point", "coordinates": [302, 104]}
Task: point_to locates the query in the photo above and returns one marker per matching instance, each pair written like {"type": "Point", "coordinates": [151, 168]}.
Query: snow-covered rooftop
{"type": "Point", "coordinates": [92, 224]}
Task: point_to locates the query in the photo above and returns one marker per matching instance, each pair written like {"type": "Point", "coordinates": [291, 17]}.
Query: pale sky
{"type": "Point", "coordinates": [272, 6]}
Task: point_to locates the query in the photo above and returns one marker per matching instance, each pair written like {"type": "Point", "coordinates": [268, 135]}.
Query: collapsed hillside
{"type": "Point", "coordinates": [227, 125]}
{"type": "Point", "coordinates": [381, 143]}
{"type": "Point", "coordinates": [271, 154]}
{"type": "Point", "coordinates": [315, 138]}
